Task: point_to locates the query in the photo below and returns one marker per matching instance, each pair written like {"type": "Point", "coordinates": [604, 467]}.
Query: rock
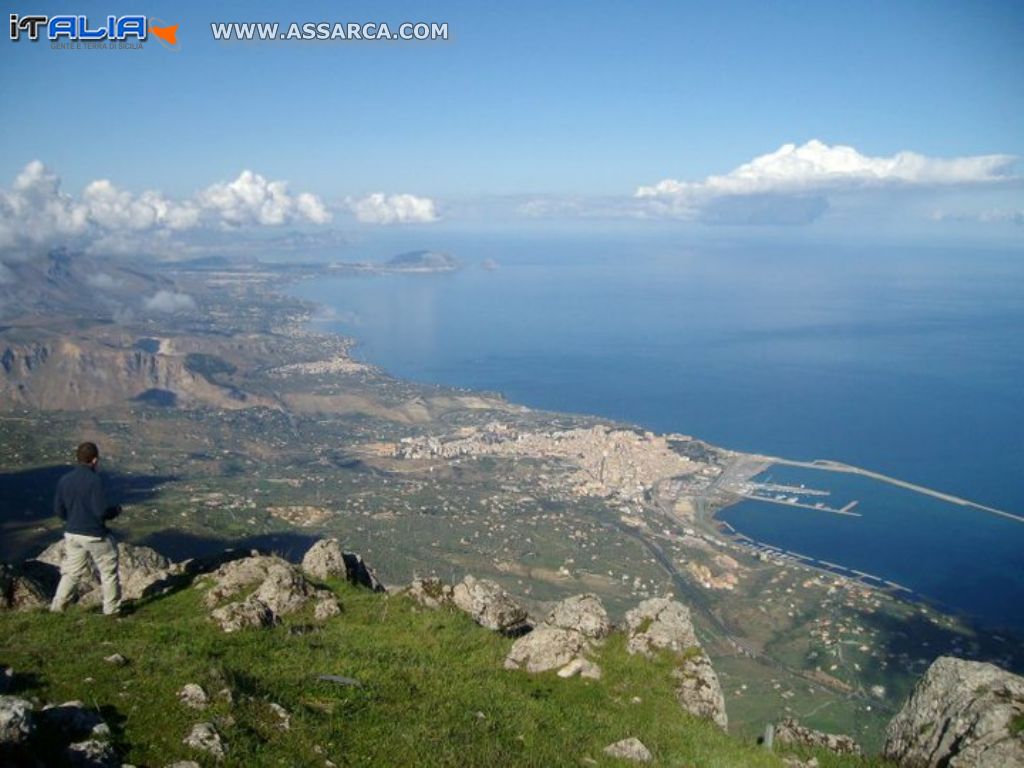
{"type": "Point", "coordinates": [583, 613]}
{"type": "Point", "coordinates": [184, 764]}
{"type": "Point", "coordinates": [91, 754]}
{"type": "Point", "coordinates": [790, 731]}
{"type": "Point", "coordinates": [205, 738]}
{"type": "Point", "coordinates": [139, 569]}
{"type": "Point", "coordinates": [280, 590]}
{"type": "Point", "coordinates": [659, 623]}
{"type": "Point", "coordinates": [582, 667]}
{"type": "Point", "coordinates": [795, 762]}
{"type": "Point", "coordinates": [430, 592]}
{"type": "Point", "coordinates": [284, 590]}
{"type": "Point", "coordinates": [6, 679]}
{"type": "Point", "coordinates": [489, 605]}
{"type": "Point", "coordinates": [326, 606]}
{"type": "Point", "coordinates": [192, 695]}
{"type": "Point", "coordinates": [360, 574]}
{"type": "Point", "coordinates": [73, 721]}
{"type": "Point", "coordinates": [20, 591]}
{"type": "Point", "coordinates": [545, 648]}
{"type": "Point", "coordinates": [699, 691]}
{"type": "Point", "coordinates": [16, 721]}
{"type": "Point", "coordinates": [629, 749]}
{"type": "Point", "coordinates": [116, 659]}
{"type": "Point", "coordinates": [961, 713]}
{"type": "Point", "coordinates": [285, 719]}
{"type": "Point", "coordinates": [244, 614]}
{"type": "Point", "coordinates": [324, 560]}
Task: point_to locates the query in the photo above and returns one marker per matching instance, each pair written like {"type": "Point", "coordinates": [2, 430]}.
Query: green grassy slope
{"type": "Point", "coordinates": [433, 690]}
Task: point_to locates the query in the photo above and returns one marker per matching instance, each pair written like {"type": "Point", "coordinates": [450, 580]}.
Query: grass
{"type": "Point", "coordinates": [433, 690]}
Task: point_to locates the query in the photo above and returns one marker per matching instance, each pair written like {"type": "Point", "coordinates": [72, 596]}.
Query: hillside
{"type": "Point", "coordinates": [432, 689]}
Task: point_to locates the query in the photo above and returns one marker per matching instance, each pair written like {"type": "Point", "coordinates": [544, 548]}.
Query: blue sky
{"type": "Point", "coordinates": [578, 101]}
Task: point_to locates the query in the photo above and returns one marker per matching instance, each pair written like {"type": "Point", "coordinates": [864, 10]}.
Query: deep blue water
{"type": "Point", "coordinates": [905, 361]}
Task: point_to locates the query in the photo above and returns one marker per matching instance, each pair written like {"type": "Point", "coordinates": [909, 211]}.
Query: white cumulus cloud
{"type": "Point", "coordinates": [35, 212]}
{"type": "Point", "coordinates": [380, 208]}
{"type": "Point", "coordinates": [168, 301]}
{"type": "Point", "coordinates": [251, 199]}
{"type": "Point", "coordinates": [794, 182]}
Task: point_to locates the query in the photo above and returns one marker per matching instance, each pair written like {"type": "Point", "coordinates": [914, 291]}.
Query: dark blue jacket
{"type": "Point", "coordinates": [81, 503]}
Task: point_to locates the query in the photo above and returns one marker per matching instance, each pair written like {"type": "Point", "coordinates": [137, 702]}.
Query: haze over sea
{"type": "Point", "coordinates": [906, 361]}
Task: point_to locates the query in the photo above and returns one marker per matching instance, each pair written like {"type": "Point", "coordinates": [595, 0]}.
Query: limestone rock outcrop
{"type": "Point", "coordinates": [661, 624]}
{"type": "Point", "coordinates": [961, 713]}
{"type": "Point", "coordinates": [490, 605]}
{"type": "Point", "coordinates": [16, 721]}
{"type": "Point", "coordinates": [139, 568]}
{"type": "Point", "coordinates": [629, 749]}
{"type": "Point", "coordinates": [326, 559]}
{"type": "Point", "coordinates": [280, 589]}
{"type": "Point", "coordinates": [790, 731]}
{"type": "Point", "coordinates": [571, 628]}
{"type": "Point", "coordinates": [19, 590]}
{"type": "Point", "coordinates": [430, 592]}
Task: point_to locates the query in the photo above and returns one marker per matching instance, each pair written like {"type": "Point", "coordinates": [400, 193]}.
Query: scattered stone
{"type": "Point", "coordinates": [489, 605]}
{"type": "Point", "coordinates": [225, 695]}
{"type": "Point", "coordinates": [192, 695]}
{"type": "Point", "coordinates": [545, 648]}
{"type": "Point", "coordinates": [116, 659]}
{"type": "Point", "coordinates": [247, 613]}
{"type": "Point", "coordinates": [91, 754]}
{"type": "Point", "coordinates": [795, 762]}
{"type": "Point", "coordinates": [699, 691]}
{"type": "Point", "coordinates": [961, 713]}
{"type": "Point", "coordinates": [205, 738]}
{"type": "Point", "coordinates": [16, 721]}
{"type": "Point", "coordinates": [582, 667]}
{"type": "Point", "coordinates": [340, 680]}
{"type": "Point", "coordinates": [184, 764]}
{"type": "Point", "coordinates": [285, 719]}
{"type": "Point", "coordinates": [326, 607]}
{"type": "Point", "coordinates": [582, 613]}
{"type": "Point", "coordinates": [430, 592]}
{"type": "Point", "coordinates": [659, 623]}
{"type": "Point", "coordinates": [790, 731]}
{"type": "Point", "coordinates": [629, 749]}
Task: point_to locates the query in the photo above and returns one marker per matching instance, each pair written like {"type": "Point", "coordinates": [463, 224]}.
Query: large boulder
{"type": "Point", "coordinates": [961, 713]}
{"type": "Point", "coordinates": [660, 624]}
{"type": "Point", "coordinates": [582, 613]}
{"type": "Point", "coordinates": [545, 648]}
{"type": "Point", "coordinates": [698, 691]}
{"type": "Point", "coordinates": [490, 605]}
{"type": "Point", "coordinates": [571, 628]}
{"type": "Point", "coordinates": [139, 569]}
{"type": "Point", "coordinates": [790, 731]}
{"type": "Point", "coordinates": [16, 721]}
{"type": "Point", "coordinates": [21, 590]}
{"type": "Point", "coordinates": [326, 559]}
{"type": "Point", "coordinates": [274, 588]}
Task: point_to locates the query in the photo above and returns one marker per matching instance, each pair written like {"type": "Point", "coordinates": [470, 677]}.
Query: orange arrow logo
{"type": "Point", "coordinates": [167, 34]}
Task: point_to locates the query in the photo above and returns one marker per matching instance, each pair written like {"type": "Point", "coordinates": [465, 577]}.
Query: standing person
{"type": "Point", "coordinates": [82, 505]}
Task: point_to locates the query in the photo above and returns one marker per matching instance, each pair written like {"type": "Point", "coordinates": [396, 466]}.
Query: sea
{"type": "Point", "coordinates": [908, 361]}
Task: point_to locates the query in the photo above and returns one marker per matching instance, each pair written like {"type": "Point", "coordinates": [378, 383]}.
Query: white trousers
{"type": "Point", "coordinates": [78, 550]}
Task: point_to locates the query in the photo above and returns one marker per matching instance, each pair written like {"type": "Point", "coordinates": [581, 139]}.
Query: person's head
{"type": "Point", "coordinates": [88, 453]}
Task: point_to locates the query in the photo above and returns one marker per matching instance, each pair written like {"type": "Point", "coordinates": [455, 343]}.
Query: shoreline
{"type": "Point", "coordinates": [708, 519]}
